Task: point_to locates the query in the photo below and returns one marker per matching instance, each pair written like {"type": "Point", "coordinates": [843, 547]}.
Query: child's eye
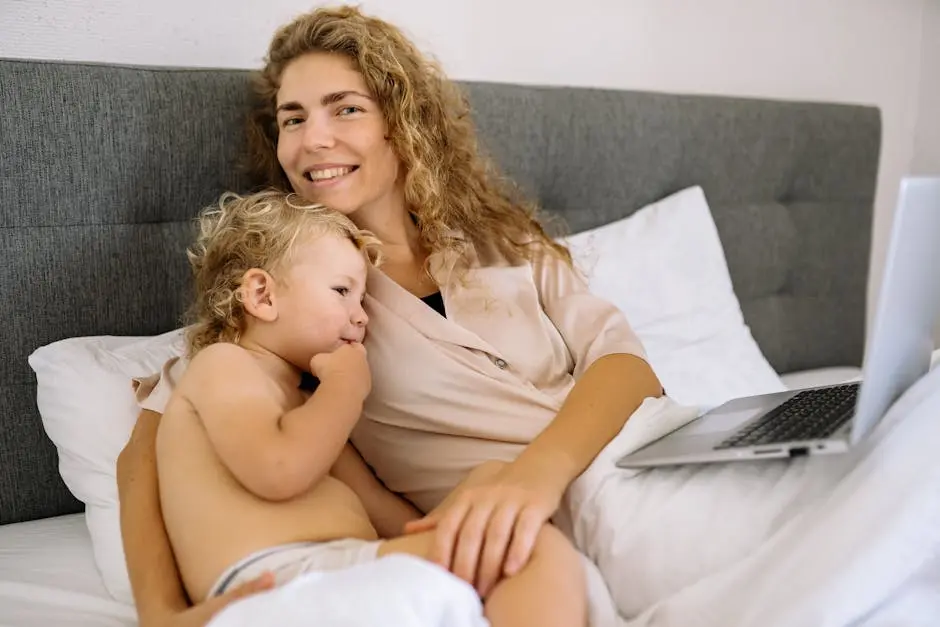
{"type": "Point", "coordinates": [342, 291]}
{"type": "Point", "coordinates": [349, 110]}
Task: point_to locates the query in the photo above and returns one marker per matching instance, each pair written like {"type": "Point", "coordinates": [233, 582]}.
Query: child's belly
{"type": "Point", "coordinates": [213, 522]}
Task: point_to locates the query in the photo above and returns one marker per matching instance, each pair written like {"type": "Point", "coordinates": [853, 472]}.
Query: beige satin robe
{"type": "Point", "coordinates": [450, 393]}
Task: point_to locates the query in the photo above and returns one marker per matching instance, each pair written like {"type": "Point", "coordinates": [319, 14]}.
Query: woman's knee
{"type": "Point", "coordinates": [553, 546]}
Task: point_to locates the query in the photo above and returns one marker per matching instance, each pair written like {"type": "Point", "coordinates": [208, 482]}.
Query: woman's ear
{"type": "Point", "coordinates": [257, 295]}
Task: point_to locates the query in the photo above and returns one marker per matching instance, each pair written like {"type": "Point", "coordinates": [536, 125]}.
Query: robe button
{"type": "Point", "coordinates": [500, 363]}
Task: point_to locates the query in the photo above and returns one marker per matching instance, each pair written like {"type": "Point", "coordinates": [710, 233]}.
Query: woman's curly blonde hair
{"type": "Point", "coordinates": [449, 184]}
{"type": "Point", "coordinates": [255, 231]}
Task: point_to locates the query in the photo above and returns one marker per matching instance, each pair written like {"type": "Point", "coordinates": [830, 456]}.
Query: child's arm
{"type": "Point", "coordinates": [276, 455]}
{"type": "Point", "coordinates": [387, 511]}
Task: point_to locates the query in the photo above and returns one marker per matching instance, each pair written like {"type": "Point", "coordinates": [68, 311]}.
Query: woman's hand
{"type": "Point", "coordinates": [200, 614]}
{"type": "Point", "coordinates": [486, 528]}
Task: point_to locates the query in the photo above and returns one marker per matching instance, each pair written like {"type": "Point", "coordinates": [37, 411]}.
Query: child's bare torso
{"type": "Point", "coordinates": [213, 521]}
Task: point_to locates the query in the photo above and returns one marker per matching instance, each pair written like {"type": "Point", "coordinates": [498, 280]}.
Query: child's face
{"type": "Point", "coordinates": [320, 298]}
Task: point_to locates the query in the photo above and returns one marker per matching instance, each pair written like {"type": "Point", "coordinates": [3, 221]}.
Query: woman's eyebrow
{"type": "Point", "coordinates": [326, 100]}
{"type": "Point", "coordinates": [288, 106]}
{"type": "Point", "coordinates": [336, 96]}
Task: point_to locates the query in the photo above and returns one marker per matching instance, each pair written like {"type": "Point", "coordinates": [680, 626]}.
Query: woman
{"type": "Point", "coordinates": [484, 343]}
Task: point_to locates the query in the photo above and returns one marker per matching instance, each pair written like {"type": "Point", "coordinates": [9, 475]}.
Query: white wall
{"type": "Point", "coordinates": [858, 51]}
{"type": "Point", "coordinates": [926, 158]}
{"type": "Point", "coordinates": [927, 134]}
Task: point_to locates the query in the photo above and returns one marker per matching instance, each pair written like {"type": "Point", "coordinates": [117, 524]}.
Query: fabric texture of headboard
{"type": "Point", "coordinates": [103, 167]}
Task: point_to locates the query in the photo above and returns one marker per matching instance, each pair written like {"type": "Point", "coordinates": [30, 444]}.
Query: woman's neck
{"type": "Point", "coordinates": [404, 256]}
{"type": "Point", "coordinates": [394, 226]}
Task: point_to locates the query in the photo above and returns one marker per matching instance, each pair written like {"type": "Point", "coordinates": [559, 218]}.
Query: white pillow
{"type": "Point", "coordinates": [86, 401]}
{"type": "Point", "coordinates": [665, 268]}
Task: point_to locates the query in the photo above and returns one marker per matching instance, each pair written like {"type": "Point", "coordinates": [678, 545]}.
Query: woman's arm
{"type": "Point", "coordinates": [596, 409]}
{"type": "Point", "coordinates": [490, 529]}
{"type": "Point", "coordinates": [612, 377]}
{"type": "Point", "coordinates": [155, 580]}
{"type": "Point", "coordinates": [388, 512]}
{"type": "Point", "coordinates": [151, 566]}
{"type": "Point", "coordinates": [154, 576]}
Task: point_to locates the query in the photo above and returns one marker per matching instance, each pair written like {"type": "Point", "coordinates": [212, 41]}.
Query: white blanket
{"type": "Point", "coordinates": [822, 541]}
{"type": "Point", "coordinates": [834, 541]}
{"type": "Point", "coordinates": [396, 590]}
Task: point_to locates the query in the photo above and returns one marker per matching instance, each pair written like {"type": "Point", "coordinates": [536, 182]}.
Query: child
{"type": "Point", "coordinates": [256, 474]}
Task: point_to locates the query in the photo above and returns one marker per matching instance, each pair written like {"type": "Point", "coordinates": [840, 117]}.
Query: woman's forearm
{"type": "Point", "coordinates": [388, 512]}
{"type": "Point", "coordinates": [596, 409]}
{"type": "Point", "coordinates": [154, 575]}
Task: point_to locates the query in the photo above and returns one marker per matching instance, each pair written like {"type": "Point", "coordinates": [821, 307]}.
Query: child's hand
{"type": "Point", "coordinates": [347, 365]}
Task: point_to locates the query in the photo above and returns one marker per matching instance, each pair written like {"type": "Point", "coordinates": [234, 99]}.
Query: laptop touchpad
{"type": "Point", "coordinates": [718, 422]}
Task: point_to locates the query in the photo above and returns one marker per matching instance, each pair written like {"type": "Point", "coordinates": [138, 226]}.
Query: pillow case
{"type": "Point", "coordinates": [85, 398]}
{"type": "Point", "coordinates": [665, 268]}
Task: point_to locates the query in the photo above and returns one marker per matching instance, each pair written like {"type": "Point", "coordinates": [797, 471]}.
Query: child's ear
{"type": "Point", "coordinates": [257, 292]}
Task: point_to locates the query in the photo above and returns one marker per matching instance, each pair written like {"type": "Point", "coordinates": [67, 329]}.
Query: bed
{"type": "Point", "coordinates": [102, 167]}
{"type": "Point", "coordinates": [48, 577]}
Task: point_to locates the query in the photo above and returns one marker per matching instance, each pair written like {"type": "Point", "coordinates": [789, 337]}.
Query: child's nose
{"type": "Point", "coordinates": [360, 317]}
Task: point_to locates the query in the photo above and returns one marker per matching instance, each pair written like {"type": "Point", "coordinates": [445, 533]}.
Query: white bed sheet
{"type": "Point", "coordinates": [48, 578]}
{"type": "Point", "coordinates": [819, 376]}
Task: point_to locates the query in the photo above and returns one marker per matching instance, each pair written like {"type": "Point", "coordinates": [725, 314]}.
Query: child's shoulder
{"type": "Point", "coordinates": [222, 371]}
{"type": "Point", "coordinates": [220, 350]}
{"type": "Point", "coordinates": [221, 358]}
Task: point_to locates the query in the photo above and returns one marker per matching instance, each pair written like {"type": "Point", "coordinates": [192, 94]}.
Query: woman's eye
{"type": "Point", "coordinates": [342, 291]}
{"type": "Point", "coordinates": [291, 122]}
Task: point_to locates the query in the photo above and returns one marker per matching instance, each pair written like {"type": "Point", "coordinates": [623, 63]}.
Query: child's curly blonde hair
{"type": "Point", "coordinates": [255, 231]}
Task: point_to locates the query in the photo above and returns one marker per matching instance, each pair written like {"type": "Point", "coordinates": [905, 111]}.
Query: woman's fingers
{"type": "Point", "coordinates": [264, 581]}
{"type": "Point", "coordinates": [421, 524]}
{"type": "Point", "coordinates": [203, 613]}
{"type": "Point", "coordinates": [470, 542]}
{"type": "Point", "coordinates": [528, 525]}
{"type": "Point", "coordinates": [445, 536]}
{"type": "Point", "coordinates": [495, 547]}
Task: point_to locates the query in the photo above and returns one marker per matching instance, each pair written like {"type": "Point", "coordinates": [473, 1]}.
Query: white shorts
{"type": "Point", "coordinates": [289, 560]}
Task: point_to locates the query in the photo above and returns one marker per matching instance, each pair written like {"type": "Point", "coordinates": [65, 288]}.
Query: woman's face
{"type": "Point", "coordinates": [331, 139]}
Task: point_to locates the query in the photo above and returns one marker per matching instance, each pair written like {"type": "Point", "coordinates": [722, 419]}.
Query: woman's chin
{"type": "Point", "coordinates": [336, 201]}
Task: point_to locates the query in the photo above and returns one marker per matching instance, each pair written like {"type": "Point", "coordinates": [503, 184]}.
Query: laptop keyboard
{"type": "Point", "coordinates": [810, 415]}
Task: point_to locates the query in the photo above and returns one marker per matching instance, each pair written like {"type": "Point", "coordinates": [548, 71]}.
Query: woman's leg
{"type": "Point", "coordinates": [550, 589]}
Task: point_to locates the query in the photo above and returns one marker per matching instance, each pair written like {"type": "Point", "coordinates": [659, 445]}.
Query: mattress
{"type": "Point", "coordinates": [48, 578]}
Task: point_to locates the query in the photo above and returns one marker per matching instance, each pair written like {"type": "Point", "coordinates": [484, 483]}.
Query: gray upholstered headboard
{"type": "Point", "coordinates": [101, 168]}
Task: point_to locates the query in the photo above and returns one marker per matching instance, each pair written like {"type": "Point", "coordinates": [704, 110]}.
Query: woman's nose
{"type": "Point", "coordinates": [318, 134]}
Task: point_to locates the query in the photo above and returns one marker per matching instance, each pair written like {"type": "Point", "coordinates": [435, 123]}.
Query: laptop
{"type": "Point", "coordinates": [831, 419]}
